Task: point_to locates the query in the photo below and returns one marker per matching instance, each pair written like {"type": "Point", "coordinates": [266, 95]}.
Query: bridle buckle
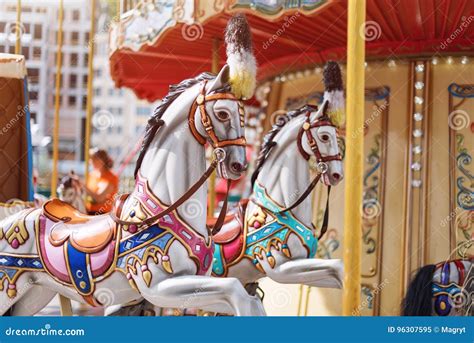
{"type": "Point", "coordinates": [322, 167]}
{"type": "Point", "coordinates": [219, 154]}
{"type": "Point", "coordinates": [200, 99]}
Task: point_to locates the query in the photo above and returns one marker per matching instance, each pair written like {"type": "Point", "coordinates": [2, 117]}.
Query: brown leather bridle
{"type": "Point", "coordinates": [306, 130]}
{"type": "Point", "coordinates": [206, 121]}
{"type": "Point", "coordinates": [219, 157]}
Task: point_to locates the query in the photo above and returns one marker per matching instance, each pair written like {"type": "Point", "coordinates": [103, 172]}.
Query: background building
{"type": "Point", "coordinates": [118, 117]}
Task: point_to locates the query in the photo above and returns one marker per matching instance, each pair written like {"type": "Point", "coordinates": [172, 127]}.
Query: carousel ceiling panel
{"type": "Point", "coordinates": [157, 45]}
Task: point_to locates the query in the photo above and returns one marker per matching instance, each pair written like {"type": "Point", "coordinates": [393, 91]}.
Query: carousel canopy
{"type": "Point", "coordinates": [158, 44]}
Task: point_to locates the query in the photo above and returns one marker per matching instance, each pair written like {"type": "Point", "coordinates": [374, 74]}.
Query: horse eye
{"type": "Point", "coordinates": [222, 115]}
{"type": "Point", "coordinates": [324, 138]}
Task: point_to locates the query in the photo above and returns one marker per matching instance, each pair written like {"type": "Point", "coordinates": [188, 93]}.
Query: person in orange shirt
{"type": "Point", "coordinates": [102, 185]}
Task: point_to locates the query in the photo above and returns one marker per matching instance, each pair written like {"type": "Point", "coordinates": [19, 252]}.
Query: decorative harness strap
{"type": "Point", "coordinates": [207, 122]}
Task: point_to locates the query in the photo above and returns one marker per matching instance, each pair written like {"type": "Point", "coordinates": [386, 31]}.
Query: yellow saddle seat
{"type": "Point", "coordinates": [88, 234]}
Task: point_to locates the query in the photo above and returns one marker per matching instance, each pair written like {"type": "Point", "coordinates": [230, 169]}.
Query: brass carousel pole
{"type": "Point", "coordinates": [212, 179]}
{"type": "Point", "coordinates": [90, 75]}
{"type": "Point", "coordinates": [65, 303]}
{"type": "Point", "coordinates": [354, 157]}
{"type": "Point", "coordinates": [54, 173]}
{"type": "Point", "coordinates": [18, 28]}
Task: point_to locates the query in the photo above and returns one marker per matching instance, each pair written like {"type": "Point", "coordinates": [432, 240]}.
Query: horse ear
{"type": "Point", "coordinates": [221, 80]}
{"type": "Point", "coordinates": [324, 112]}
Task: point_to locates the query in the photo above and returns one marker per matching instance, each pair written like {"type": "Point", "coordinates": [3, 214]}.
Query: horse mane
{"type": "Point", "coordinates": [268, 140]}
{"type": "Point", "coordinates": [155, 121]}
{"type": "Point", "coordinates": [418, 300]}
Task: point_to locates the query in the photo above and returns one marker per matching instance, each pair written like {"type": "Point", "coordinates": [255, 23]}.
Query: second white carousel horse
{"type": "Point", "coordinates": [154, 245]}
{"type": "Point", "coordinates": [272, 234]}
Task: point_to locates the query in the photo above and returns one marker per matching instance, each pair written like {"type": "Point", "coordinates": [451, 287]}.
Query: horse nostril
{"type": "Point", "coordinates": [237, 167]}
{"type": "Point", "coordinates": [336, 176]}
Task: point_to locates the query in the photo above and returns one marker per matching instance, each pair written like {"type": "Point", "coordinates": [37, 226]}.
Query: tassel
{"type": "Point", "coordinates": [271, 259]}
{"type": "Point", "coordinates": [11, 292]}
{"type": "Point", "coordinates": [240, 57]}
{"type": "Point", "coordinates": [146, 274]}
{"type": "Point", "coordinates": [259, 267]}
{"type": "Point", "coordinates": [165, 262]}
{"type": "Point", "coordinates": [285, 250]}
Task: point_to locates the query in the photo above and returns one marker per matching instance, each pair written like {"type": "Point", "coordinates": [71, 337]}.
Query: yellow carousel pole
{"type": "Point", "coordinates": [54, 174]}
{"type": "Point", "coordinates": [89, 92]}
{"type": "Point", "coordinates": [18, 28]}
{"type": "Point", "coordinates": [65, 303]}
{"type": "Point", "coordinates": [354, 157]}
{"type": "Point", "coordinates": [212, 179]}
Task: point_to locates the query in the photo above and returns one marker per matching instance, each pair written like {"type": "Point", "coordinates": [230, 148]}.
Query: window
{"type": "Point", "coordinates": [84, 81]}
{"type": "Point", "coordinates": [97, 91]}
{"type": "Point", "coordinates": [74, 58]}
{"type": "Point", "coordinates": [86, 60]}
{"type": "Point", "coordinates": [37, 34]}
{"type": "Point", "coordinates": [143, 111]}
{"type": "Point", "coordinates": [73, 81]}
{"type": "Point", "coordinates": [84, 102]}
{"type": "Point", "coordinates": [76, 15]}
{"type": "Point", "coordinates": [33, 75]}
{"type": "Point", "coordinates": [111, 91]}
{"type": "Point", "coordinates": [25, 52]}
{"type": "Point", "coordinates": [74, 38]}
{"type": "Point", "coordinates": [33, 96]}
{"type": "Point", "coordinates": [71, 101]}
{"type": "Point", "coordinates": [36, 53]}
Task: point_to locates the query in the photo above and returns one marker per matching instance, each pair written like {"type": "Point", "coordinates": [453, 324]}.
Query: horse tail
{"type": "Point", "coordinates": [418, 299]}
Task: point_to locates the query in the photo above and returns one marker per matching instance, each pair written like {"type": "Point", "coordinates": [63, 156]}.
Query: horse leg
{"type": "Point", "coordinates": [33, 301]}
{"type": "Point", "coordinates": [312, 272]}
{"type": "Point", "coordinates": [226, 295]}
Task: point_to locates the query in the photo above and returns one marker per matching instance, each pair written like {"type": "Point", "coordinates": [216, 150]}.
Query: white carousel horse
{"type": "Point", "coordinates": [443, 289]}
{"type": "Point", "coordinates": [71, 192]}
{"type": "Point", "coordinates": [272, 234]}
{"type": "Point", "coordinates": [151, 247]}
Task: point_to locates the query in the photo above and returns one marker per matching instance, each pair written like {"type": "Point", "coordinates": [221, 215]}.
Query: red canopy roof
{"type": "Point", "coordinates": [295, 40]}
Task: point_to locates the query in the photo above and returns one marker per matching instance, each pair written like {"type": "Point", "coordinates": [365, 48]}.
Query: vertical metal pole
{"type": "Point", "coordinates": [54, 171]}
{"type": "Point", "coordinates": [212, 179]}
{"type": "Point", "coordinates": [89, 92]}
{"type": "Point", "coordinates": [354, 157]}
{"type": "Point", "coordinates": [18, 28]}
{"type": "Point", "coordinates": [65, 303]}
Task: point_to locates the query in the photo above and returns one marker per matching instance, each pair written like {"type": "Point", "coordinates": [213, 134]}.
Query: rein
{"type": "Point", "coordinates": [219, 157]}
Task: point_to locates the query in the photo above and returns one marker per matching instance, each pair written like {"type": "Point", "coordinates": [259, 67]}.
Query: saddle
{"type": "Point", "coordinates": [88, 234]}
{"type": "Point", "coordinates": [233, 224]}
{"type": "Point", "coordinates": [77, 249]}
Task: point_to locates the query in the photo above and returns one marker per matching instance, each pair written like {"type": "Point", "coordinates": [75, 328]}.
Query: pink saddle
{"type": "Point", "coordinates": [76, 248]}
{"type": "Point", "coordinates": [231, 236]}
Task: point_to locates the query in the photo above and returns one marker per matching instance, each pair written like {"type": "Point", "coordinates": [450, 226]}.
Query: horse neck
{"type": "Point", "coordinates": [175, 160]}
{"type": "Point", "coordinates": [285, 175]}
